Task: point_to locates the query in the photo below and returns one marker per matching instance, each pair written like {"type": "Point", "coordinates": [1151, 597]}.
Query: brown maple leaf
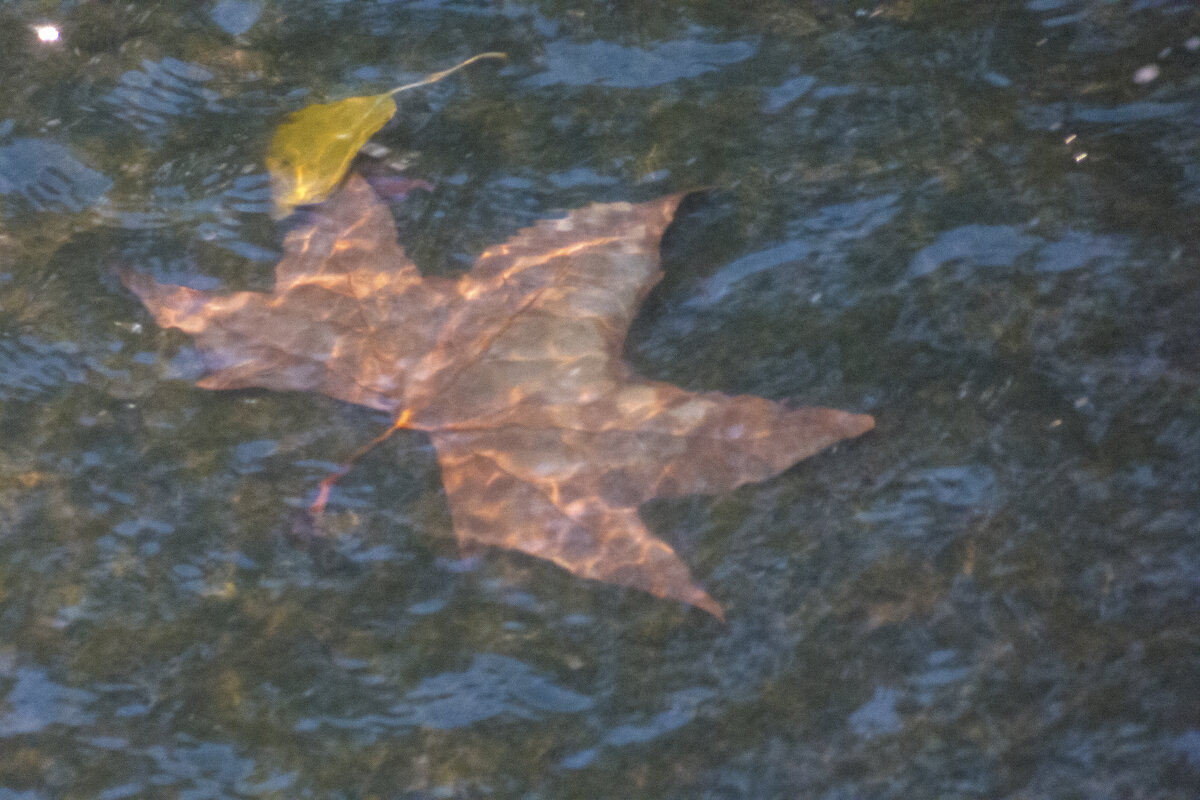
{"type": "Point", "coordinates": [546, 441]}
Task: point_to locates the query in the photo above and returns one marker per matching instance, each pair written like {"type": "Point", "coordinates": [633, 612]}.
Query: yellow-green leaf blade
{"type": "Point", "coordinates": [311, 151]}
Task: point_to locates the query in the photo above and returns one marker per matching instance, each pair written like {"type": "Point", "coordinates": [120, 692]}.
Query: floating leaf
{"type": "Point", "coordinates": [546, 440]}
{"type": "Point", "coordinates": [314, 146]}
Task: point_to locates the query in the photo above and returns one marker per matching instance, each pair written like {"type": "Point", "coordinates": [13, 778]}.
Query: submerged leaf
{"type": "Point", "coordinates": [547, 443]}
{"type": "Point", "coordinates": [311, 151]}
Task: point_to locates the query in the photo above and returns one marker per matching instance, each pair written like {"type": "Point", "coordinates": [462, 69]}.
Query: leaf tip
{"type": "Point", "coordinates": [858, 424]}
{"type": "Point", "coordinates": [705, 603]}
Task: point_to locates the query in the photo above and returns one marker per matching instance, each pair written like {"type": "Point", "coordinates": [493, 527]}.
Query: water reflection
{"type": "Point", "coordinates": [817, 250]}
{"type": "Point", "coordinates": [236, 17]}
{"type": "Point", "coordinates": [148, 99]}
{"type": "Point", "coordinates": [494, 686]}
{"type": "Point", "coordinates": [1004, 245]}
{"type": "Point", "coordinates": [878, 715]}
{"type": "Point", "coordinates": [29, 366]}
{"type": "Point", "coordinates": [34, 702]}
{"type": "Point", "coordinates": [788, 92]}
{"type": "Point", "coordinates": [683, 707]}
{"type": "Point", "coordinates": [48, 177]}
{"type": "Point", "coordinates": [624, 67]}
{"type": "Point", "coordinates": [217, 208]}
{"type": "Point", "coordinates": [934, 500]}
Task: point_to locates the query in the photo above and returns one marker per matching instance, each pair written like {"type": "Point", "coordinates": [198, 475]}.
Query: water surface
{"type": "Point", "coordinates": [975, 221]}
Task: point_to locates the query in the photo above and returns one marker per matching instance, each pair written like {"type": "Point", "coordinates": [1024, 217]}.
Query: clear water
{"type": "Point", "coordinates": [977, 221]}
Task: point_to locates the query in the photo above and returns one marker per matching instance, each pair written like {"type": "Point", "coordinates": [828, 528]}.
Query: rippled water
{"type": "Point", "coordinates": [978, 222]}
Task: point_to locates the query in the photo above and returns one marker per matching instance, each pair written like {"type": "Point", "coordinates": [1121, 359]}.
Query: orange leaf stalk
{"type": "Point", "coordinates": [318, 505]}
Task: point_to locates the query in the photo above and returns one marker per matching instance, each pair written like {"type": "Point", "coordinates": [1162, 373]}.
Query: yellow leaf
{"type": "Point", "coordinates": [311, 151]}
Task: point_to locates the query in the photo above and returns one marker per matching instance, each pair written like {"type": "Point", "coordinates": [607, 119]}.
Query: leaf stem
{"type": "Point", "coordinates": [318, 505]}
{"type": "Point", "coordinates": [437, 76]}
